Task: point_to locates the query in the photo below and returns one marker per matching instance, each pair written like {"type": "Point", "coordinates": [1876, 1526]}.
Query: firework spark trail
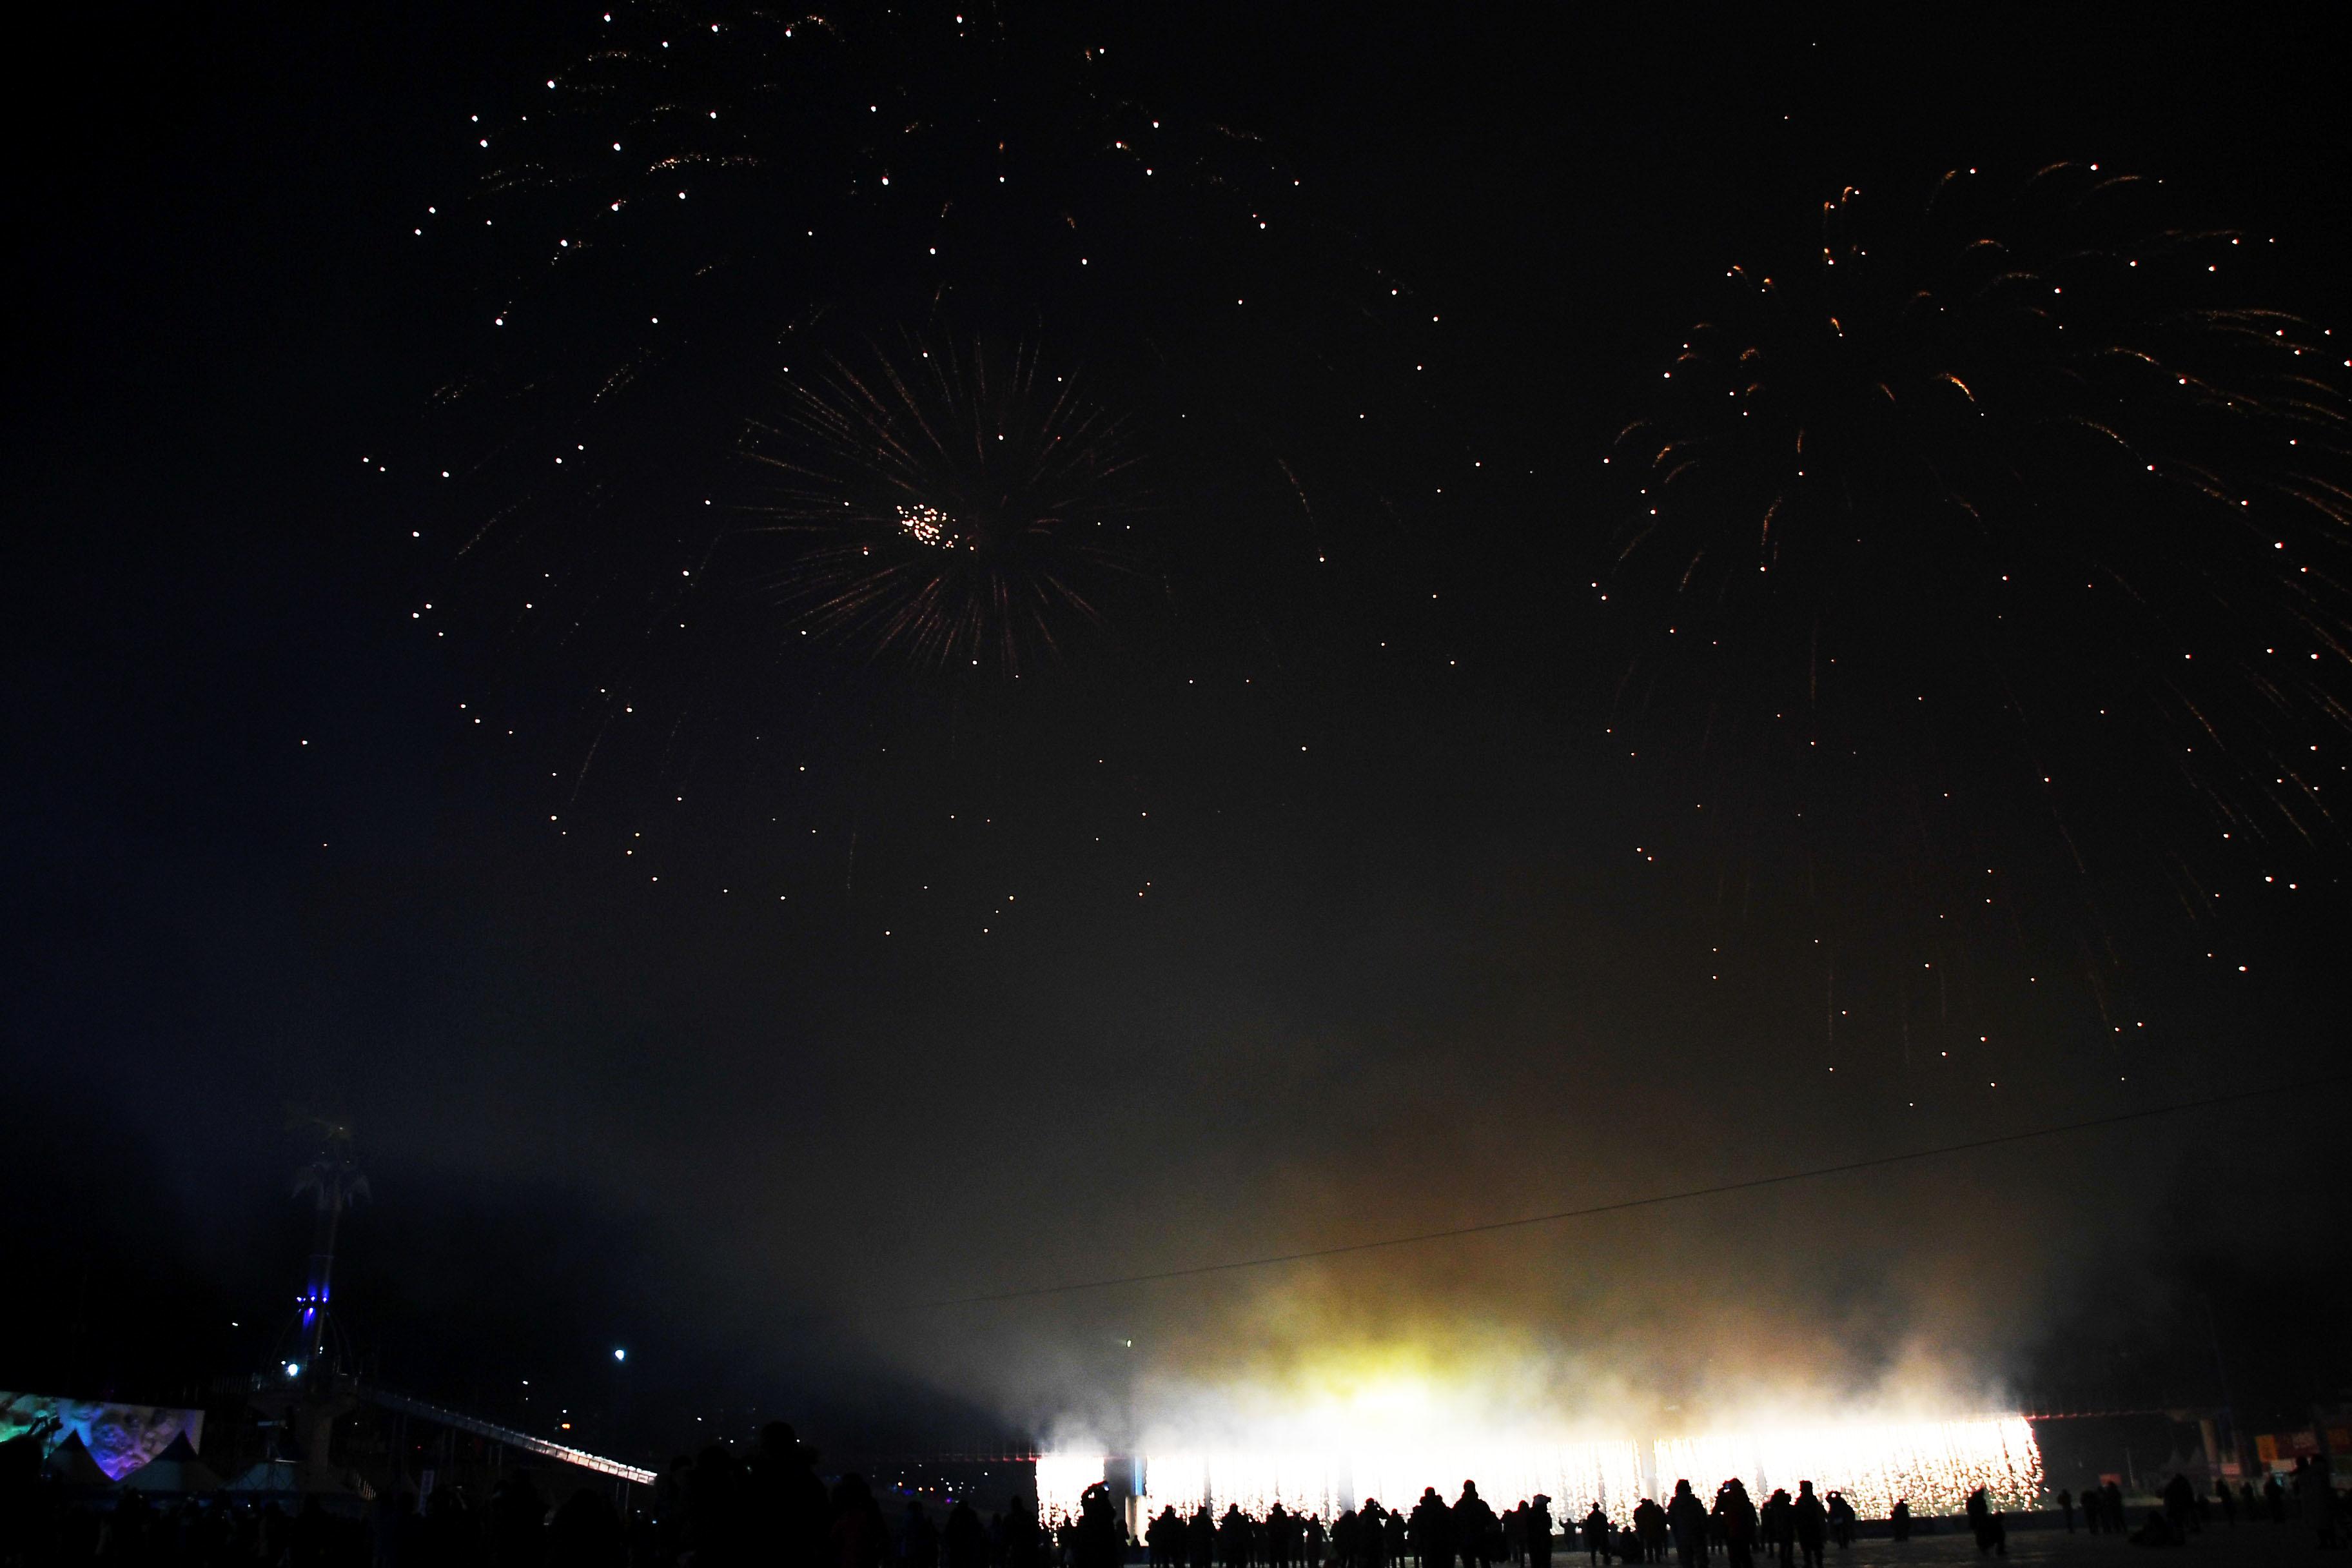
{"type": "Point", "coordinates": [2029, 442]}
{"type": "Point", "coordinates": [940, 507]}
{"type": "Point", "coordinates": [1933, 1464]}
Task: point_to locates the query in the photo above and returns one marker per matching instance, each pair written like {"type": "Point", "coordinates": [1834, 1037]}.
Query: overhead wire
{"type": "Point", "coordinates": [1655, 1200]}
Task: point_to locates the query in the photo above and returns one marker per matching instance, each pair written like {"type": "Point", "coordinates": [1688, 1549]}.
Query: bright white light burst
{"type": "Point", "coordinates": [1933, 1464]}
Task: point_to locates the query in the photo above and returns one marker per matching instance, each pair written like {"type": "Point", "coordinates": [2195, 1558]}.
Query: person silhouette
{"type": "Point", "coordinates": [393, 1525]}
{"type": "Point", "coordinates": [1101, 1538]}
{"type": "Point", "coordinates": [1596, 1535]}
{"type": "Point", "coordinates": [2179, 1503]}
{"type": "Point", "coordinates": [2316, 1497]}
{"type": "Point", "coordinates": [1650, 1530]}
{"type": "Point", "coordinates": [1535, 1526]}
{"type": "Point", "coordinates": [1991, 1533]}
{"type": "Point", "coordinates": [785, 1510]}
{"type": "Point", "coordinates": [1780, 1528]}
{"type": "Point", "coordinates": [1841, 1520]}
{"type": "Point", "coordinates": [1201, 1539]}
{"type": "Point", "coordinates": [1281, 1537]}
{"type": "Point", "coordinates": [586, 1530]}
{"type": "Point", "coordinates": [1474, 1527]}
{"type": "Point", "coordinates": [919, 1542]}
{"type": "Point", "coordinates": [1160, 1536]}
{"type": "Point", "coordinates": [1811, 1522]}
{"type": "Point", "coordinates": [1023, 1541]}
{"type": "Point", "coordinates": [1687, 1518]}
{"type": "Point", "coordinates": [965, 1541]}
{"type": "Point", "coordinates": [1431, 1529]}
{"type": "Point", "coordinates": [859, 1535]}
{"type": "Point", "coordinates": [1738, 1522]}
{"type": "Point", "coordinates": [518, 1519]}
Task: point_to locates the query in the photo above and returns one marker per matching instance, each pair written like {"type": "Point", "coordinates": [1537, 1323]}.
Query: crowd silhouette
{"type": "Point", "coordinates": [772, 1507]}
{"type": "Point", "coordinates": [2305, 1495]}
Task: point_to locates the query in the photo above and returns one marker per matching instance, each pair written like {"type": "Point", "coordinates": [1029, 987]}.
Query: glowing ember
{"type": "Point", "coordinates": [928, 525]}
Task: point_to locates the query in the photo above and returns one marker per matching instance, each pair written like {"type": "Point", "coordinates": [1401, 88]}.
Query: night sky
{"type": "Point", "coordinates": [709, 970]}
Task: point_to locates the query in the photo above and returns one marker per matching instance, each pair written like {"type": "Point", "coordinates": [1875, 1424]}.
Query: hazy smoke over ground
{"type": "Point", "coordinates": [1914, 1292]}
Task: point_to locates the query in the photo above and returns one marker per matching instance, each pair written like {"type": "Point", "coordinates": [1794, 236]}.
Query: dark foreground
{"type": "Point", "coordinates": [210, 1536]}
{"type": "Point", "coordinates": [2247, 1546]}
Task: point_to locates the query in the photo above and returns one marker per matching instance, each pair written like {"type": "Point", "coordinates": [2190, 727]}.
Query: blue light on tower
{"type": "Point", "coordinates": [334, 1181]}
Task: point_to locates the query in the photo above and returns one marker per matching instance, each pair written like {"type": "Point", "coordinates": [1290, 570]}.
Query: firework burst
{"type": "Point", "coordinates": [2002, 531]}
{"type": "Point", "coordinates": [953, 504]}
{"type": "Point", "coordinates": [697, 208]}
{"type": "Point", "coordinates": [695, 205]}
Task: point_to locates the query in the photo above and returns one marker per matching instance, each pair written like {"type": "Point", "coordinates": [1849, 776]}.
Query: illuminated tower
{"type": "Point", "coordinates": [334, 1184]}
{"type": "Point", "coordinates": [310, 1385]}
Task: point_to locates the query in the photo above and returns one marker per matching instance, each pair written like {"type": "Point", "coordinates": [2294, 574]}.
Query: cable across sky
{"type": "Point", "coordinates": [1653, 1200]}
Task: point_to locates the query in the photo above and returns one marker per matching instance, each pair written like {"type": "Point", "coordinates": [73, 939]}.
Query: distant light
{"type": "Point", "coordinates": [619, 1353]}
{"type": "Point", "coordinates": [293, 1369]}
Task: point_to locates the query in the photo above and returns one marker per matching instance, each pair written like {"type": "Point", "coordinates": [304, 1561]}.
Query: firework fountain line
{"type": "Point", "coordinates": [1932, 1464]}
